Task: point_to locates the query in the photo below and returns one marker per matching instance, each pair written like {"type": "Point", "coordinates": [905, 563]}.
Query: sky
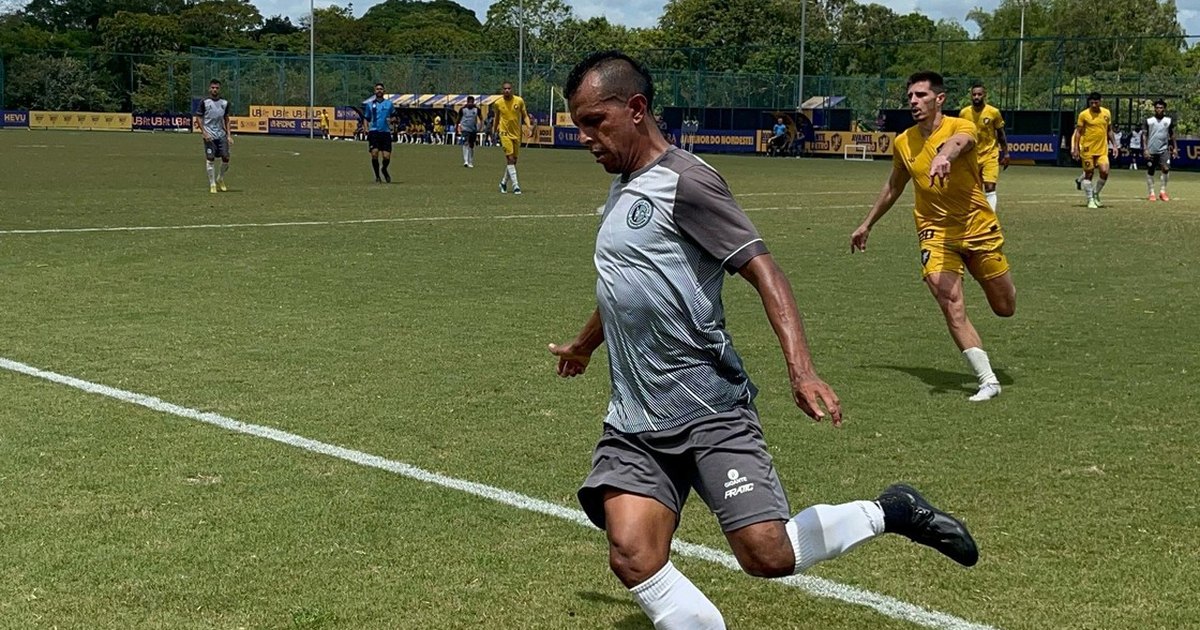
{"type": "Point", "coordinates": [642, 13]}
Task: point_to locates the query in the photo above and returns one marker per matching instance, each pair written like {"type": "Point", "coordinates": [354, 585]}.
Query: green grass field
{"type": "Point", "coordinates": [410, 322]}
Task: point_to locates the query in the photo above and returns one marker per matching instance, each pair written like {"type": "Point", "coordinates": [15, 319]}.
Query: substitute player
{"type": "Point", "coordinates": [682, 413]}
{"type": "Point", "coordinates": [510, 122]}
{"type": "Point", "coordinates": [1159, 140]}
{"type": "Point", "coordinates": [214, 126]}
{"type": "Point", "coordinates": [992, 144]}
{"type": "Point", "coordinates": [378, 113]}
{"type": "Point", "coordinates": [956, 228]}
{"type": "Point", "coordinates": [468, 130]}
{"type": "Point", "coordinates": [1092, 143]}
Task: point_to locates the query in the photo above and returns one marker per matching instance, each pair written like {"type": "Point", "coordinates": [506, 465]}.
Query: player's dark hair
{"type": "Point", "coordinates": [1094, 96]}
{"type": "Point", "coordinates": [977, 84]}
{"type": "Point", "coordinates": [1160, 102]}
{"type": "Point", "coordinates": [618, 72]}
{"type": "Point", "coordinates": [470, 99]}
{"type": "Point", "coordinates": [378, 85]}
{"type": "Point", "coordinates": [215, 82]}
{"type": "Point", "coordinates": [936, 83]}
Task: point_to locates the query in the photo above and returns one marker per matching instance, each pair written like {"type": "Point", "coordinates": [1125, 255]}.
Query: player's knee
{"type": "Point", "coordinates": [1005, 308]}
{"type": "Point", "coordinates": [775, 563]}
{"type": "Point", "coordinates": [633, 564]}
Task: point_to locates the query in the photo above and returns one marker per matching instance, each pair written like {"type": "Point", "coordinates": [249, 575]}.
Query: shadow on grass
{"type": "Point", "coordinates": [634, 621]}
{"type": "Point", "coordinates": [941, 381]}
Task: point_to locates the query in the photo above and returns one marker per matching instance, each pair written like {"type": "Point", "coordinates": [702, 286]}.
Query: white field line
{"type": "Point", "coordinates": [465, 217]}
{"type": "Point", "coordinates": [819, 587]}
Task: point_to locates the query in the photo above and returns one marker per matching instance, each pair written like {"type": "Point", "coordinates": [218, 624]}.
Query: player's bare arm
{"type": "Point", "coordinates": [1112, 142]}
{"type": "Point", "coordinates": [892, 188]}
{"type": "Point", "coordinates": [808, 390]}
{"type": "Point", "coordinates": [954, 147]}
{"type": "Point", "coordinates": [573, 357]}
{"type": "Point", "coordinates": [1075, 142]}
{"type": "Point", "coordinates": [228, 135]}
{"type": "Point", "coordinates": [1002, 139]}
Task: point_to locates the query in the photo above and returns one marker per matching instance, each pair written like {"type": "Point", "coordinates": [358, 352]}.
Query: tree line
{"type": "Point", "coordinates": [123, 54]}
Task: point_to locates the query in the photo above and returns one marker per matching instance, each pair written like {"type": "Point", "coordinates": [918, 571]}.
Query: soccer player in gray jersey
{"type": "Point", "coordinates": [214, 126]}
{"type": "Point", "coordinates": [1159, 142]}
{"type": "Point", "coordinates": [682, 412]}
{"type": "Point", "coordinates": [468, 130]}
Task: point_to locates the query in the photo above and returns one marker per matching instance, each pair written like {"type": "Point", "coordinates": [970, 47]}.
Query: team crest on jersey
{"type": "Point", "coordinates": [639, 214]}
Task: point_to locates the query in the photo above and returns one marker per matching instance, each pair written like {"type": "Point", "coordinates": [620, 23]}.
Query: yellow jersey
{"type": "Point", "coordinates": [1093, 137]}
{"type": "Point", "coordinates": [951, 207]}
{"type": "Point", "coordinates": [511, 114]}
{"type": "Point", "coordinates": [988, 122]}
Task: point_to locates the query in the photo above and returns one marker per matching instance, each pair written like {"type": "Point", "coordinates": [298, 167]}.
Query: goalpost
{"type": "Point", "coordinates": [855, 153]}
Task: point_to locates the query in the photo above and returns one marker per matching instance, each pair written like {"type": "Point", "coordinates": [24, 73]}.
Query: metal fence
{"type": "Point", "coordinates": [1034, 73]}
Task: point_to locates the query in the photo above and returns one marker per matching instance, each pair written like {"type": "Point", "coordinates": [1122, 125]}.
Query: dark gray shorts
{"type": "Point", "coordinates": [216, 148]}
{"type": "Point", "coordinates": [1160, 161]}
{"type": "Point", "coordinates": [724, 457]}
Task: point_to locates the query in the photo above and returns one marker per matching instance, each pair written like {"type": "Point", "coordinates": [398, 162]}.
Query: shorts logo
{"type": "Point", "coordinates": [737, 484]}
{"type": "Point", "coordinates": [924, 257]}
{"type": "Point", "coordinates": [640, 214]}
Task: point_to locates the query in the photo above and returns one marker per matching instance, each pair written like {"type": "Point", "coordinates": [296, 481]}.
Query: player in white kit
{"type": "Point", "coordinates": [1159, 145]}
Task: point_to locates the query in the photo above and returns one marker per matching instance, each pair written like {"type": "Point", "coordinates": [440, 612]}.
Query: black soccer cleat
{"type": "Point", "coordinates": [907, 513]}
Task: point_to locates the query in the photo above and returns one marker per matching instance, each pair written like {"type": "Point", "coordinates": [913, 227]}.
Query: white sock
{"type": "Point", "coordinates": [1149, 184]}
{"type": "Point", "coordinates": [991, 199]}
{"type": "Point", "coordinates": [512, 174]}
{"type": "Point", "coordinates": [1165, 177]}
{"type": "Point", "coordinates": [978, 360]}
{"type": "Point", "coordinates": [824, 532]}
{"type": "Point", "coordinates": [672, 602]}
{"type": "Point", "coordinates": [1087, 189]}
{"type": "Point", "coordinates": [1100, 185]}
{"type": "Point", "coordinates": [212, 174]}
{"type": "Point", "coordinates": [504, 177]}
{"type": "Point", "coordinates": [224, 169]}
{"type": "Point", "coordinates": [471, 156]}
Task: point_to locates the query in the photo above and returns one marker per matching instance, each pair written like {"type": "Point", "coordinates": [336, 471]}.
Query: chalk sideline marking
{"type": "Point", "coordinates": [819, 587]}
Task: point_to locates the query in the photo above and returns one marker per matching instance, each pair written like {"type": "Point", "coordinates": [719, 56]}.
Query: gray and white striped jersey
{"type": "Point", "coordinates": [1158, 134]}
{"type": "Point", "coordinates": [667, 234]}
{"type": "Point", "coordinates": [212, 116]}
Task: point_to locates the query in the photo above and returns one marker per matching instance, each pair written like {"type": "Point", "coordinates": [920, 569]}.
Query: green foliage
{"type": "Point", "coordinates": [56, 83]}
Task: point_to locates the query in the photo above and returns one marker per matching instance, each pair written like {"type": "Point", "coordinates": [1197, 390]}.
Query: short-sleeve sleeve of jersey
{"type": "Point", "coordinates": [998, 123]}
{"type": "Point", "coordinates": [1080, 122]}
{"type": "Point", "coordinates": [706, 213]}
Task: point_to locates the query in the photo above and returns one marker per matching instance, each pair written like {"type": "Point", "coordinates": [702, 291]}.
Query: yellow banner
{"type": "Point", "coordinates": [247, 124]}
{"type": "Point", "coordinates": [543, 134]}
{"type": "Point", "coordinates": [563, 119]}
{"type": "Point", "coordinates": [82, 121]}
{"type": "Point", "coordinates": [878, 144]}
{"type": "Point", "coordinates": [288, 111]}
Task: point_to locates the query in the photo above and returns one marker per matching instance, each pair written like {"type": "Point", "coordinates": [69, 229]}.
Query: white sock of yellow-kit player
{"type": "Point", "coordinates": [1099, 186]}
{"type": "Point", "coordinates": [824, 532]}
{"type": "Point", "coordinates": [991, 199]}
{"type": "Point", "coordinates": [1087, 189]}
{"type": "Point", "coordinates": [212, 173]}
{"type": "Point", "coordinates": [672, 602]}
{"type": "Point", "coordinates": [511, 173]}
{"type": "Point", "coordinates": [980, 365]}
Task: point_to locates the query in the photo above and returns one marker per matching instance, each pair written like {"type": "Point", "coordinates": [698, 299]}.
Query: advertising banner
{"type": "Point", "coordinates": [834, 142]}
{"type": "Point", "coordinates": [87, 121]}
{"type": "Point", "coordinates": [291, 126]}
{"type": "Point", "coordinates": [292, 111]}
{"type": "Point", "coordinates": [725, 141]}
{"type": "Point", "coordinates": [12, 118]}
{"type": "Point", "coordinates": [1039, 147]}
{"type": "Point", "coordinates": [162, 122]}
{"type": "Point", "coordinates": [1189, 153]}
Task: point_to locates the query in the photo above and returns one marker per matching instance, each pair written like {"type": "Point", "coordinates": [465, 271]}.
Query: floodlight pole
{"type": "Point", "coordinates": [521, 47]}
{"type": "Point", "coordinates": [312, 56]}
{"type": "Point", "coordinates": [803, 30]}
{"type": "Point", "coordinates": [1021, 55]}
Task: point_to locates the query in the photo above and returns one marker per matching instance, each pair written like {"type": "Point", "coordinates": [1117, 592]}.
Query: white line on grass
{"type": "Point", "coordinates": [819, 587]}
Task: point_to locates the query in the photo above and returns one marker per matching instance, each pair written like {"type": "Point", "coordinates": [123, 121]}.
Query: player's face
{"type": "Point", "coordinates": [1094, 105]}
{"type": "Point", "coordinates": [506, 90]}
{"type": "Point", "coordinates": [214, 89]}
{"type": "Point", "coordinates": [607, 125]}
{"type": "Point", "coordinates": [1160, 110]}
{"type": "Point", "coordinates": [923, 101]}
{"type": "Point", "coordinates": [978, 96]}
{"type": "Point", "coordinates": [378, 91]}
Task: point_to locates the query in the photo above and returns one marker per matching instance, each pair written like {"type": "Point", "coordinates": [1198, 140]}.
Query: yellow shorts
{"type": "Point", "coordinates": [982, 255]}
{"type": "Point", "coordinates": [1090, 162]}
{"type": "Point", "coordinates": [511, 145]}
{"type": "Point", "coordinates": [989, 168]}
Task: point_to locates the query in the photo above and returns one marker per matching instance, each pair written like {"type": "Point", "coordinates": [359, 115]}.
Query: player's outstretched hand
{"type": "Point", "coordinates": [939, 167]}
{"type": "Point", "coordinates": [858, 240]}
{"type": "Point", "coordinates": [570, 361]}
{"type": "Point", "coordinates": [811, 393]}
